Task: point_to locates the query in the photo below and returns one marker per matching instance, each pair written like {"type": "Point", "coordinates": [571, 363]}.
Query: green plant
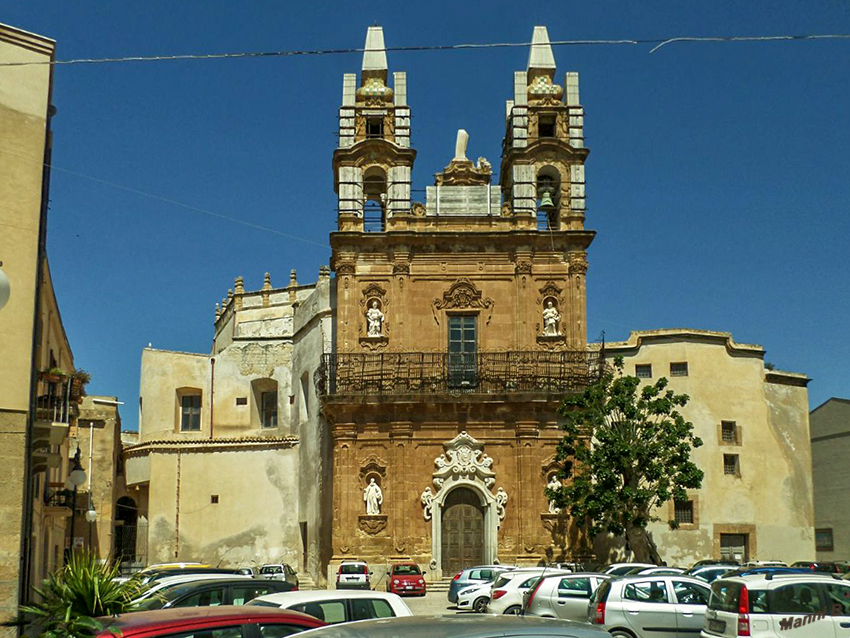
{"type": "Point", "coordinates": [83, 376]}
{"type": "Point", "coordinates": [75, 596]}
{"type": "Point", "coordinates": [631, 451]}
{"type": "Point", "coordinates": [55, 371]}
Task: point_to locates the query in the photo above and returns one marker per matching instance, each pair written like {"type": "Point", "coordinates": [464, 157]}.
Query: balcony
{"type": "Point", "coordinates": [58, 502]}
{"type": "Point", "coordinates": [402, 374]}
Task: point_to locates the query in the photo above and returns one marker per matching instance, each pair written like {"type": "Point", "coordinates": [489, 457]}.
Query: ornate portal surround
{"type": "Point", "coordinates": [464, 464]}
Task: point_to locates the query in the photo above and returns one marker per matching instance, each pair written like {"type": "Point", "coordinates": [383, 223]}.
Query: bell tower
{"type": "Point", "coordinates": [542, 171]}
{"type": "Point", "coordinates": [373, 162]}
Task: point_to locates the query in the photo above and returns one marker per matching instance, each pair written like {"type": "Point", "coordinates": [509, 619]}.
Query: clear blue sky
{"type": "Point", "coordinates": [718, 177]}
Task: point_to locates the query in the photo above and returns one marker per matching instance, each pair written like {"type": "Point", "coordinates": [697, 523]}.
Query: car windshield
{"type": "Point", "coordinates": [406, 570]}
{"type": "Point", "coordinates": [271, 569]}
{"type": "Point", "coordinates": [352, 569]}
{"type": "Point", "coordinates": [500, 581]}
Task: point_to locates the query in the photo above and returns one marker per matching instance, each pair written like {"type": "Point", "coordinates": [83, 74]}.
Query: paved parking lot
{"type": "Point", "coordinates": [431, 603]}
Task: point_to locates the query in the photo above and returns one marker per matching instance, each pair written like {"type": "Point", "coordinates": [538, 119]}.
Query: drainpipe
{"type": "Point", "coordinates": [212, 393]}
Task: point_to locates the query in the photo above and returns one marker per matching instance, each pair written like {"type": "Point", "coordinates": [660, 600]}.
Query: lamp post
{"type": "Point", "coordinates": [76, 477]}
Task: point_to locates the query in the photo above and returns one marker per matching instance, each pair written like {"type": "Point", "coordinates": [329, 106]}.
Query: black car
{"type": "Point", "coordinates": [151, 576]}
{"type": "Point", "coordinates": [210, 593]}
{"type": "Point", "coordinates": [816, 566]}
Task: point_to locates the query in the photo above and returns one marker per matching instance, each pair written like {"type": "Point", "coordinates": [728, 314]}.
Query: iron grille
{"type": "Point", "coordinates": [404, 373]}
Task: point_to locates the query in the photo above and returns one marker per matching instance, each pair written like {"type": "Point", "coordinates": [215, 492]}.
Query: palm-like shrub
{"type": "Point", "coordinates": [77, 594]}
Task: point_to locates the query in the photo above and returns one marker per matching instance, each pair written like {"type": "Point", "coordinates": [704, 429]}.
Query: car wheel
{"type": "Point", "coordinates": [480, 604]}
{"type": "Point", "coordinates": [513, 610]}
{"type": "Point", "coordinates": [621, 633]}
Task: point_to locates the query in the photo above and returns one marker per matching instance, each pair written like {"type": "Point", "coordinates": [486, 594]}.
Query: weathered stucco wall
{"type": "Point", "coordinates": [830, 433]}
{"type": "Point", "coordinates": [253, 521]}
{"type": "Point", "coordinates": [770, 497]}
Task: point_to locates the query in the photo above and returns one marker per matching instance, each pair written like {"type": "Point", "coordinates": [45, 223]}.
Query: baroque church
{"type": "Point", "coordinates": [404, 406]}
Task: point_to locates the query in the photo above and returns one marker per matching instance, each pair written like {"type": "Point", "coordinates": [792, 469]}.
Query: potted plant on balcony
{"type": "Point", "coordinates": [79, 379]}
{"type": "Point", "coordinates": [53, 375]}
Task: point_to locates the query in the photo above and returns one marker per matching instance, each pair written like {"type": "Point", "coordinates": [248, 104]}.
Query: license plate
{"type": "Point", "coordinates": [717, 626]}
{"type": "Point", "coordinates": [408, 586]}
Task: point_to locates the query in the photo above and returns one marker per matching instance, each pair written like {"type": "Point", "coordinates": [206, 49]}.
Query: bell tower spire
{"type": "Point", "coordinates": [373, 162]}
{"type": "Point", "coordinates": [542, 172]}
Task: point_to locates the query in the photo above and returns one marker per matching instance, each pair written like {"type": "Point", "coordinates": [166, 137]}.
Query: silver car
{"type": "Point", "coordinates": [650, 606]}
{"type": "Point", "coordinates": [563, 595]}
{"type": "Point", "coordinates": [459, 626]}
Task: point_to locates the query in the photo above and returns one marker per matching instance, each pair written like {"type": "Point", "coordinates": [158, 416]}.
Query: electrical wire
{"type": "Point", "coordinates": [658, 42]}
{"type": "Point", "coordinates": [173, 202]}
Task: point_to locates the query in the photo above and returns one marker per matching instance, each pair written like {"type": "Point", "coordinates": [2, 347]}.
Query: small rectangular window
{"type": "Point", "coordinates": [190, 412]}
{"type": "Point", "coordinates": [731, 464]}
{"type": "Point", "coordinates": [823, 539]}
{"type": "Point", "coordinates": [214, 499]}
{"type": "Point", "coordinates": [684, 512]}
{"type": "Point", "coordinates": [375, 126]}
{"type": "Point", "coordinates": [679, 369]}
{"type": "Point", "coordinates": [269, 409]}
{"type": "Point", "coordinates": [643, 370]}
{"type": "Point", "coordinates": [546, 126]}
{"type": "Point", "coordinates": [729, 431]}
{"type": "Point", "coordinates": [241, 400]}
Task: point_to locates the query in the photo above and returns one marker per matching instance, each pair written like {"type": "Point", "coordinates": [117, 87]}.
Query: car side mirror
{"type": "Point", "coordinates": [371, 573]}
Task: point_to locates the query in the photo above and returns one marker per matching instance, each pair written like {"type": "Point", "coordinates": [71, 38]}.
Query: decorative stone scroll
{"type": "Point", "coordinates": [464, 458]}
{"type": "Point", "coordinates": [427, 499]}
{"type": "Point", "coordinates": [462, 295]}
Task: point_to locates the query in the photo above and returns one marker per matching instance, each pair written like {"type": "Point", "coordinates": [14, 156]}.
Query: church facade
{"type": "Point", "coordinates": [460, 326]}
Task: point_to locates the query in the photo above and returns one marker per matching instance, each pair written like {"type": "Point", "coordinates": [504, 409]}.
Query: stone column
{"type": "Point", "coordinates": [526, 500]}
{"type": "Point", "coordinates": [346, 488]}
{"type": "Point", "coordinates": [400, 490]}
{"type": "Point", "coordinates": [578, 298]}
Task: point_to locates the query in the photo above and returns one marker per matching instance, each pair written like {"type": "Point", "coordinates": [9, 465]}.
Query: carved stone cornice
{"type": "Point", "coordinates": [465, 173]}
{"type": "Point", "coordinates": [401, 268]}
{"type": "Point", "coordinates": [578, 263]}
{"type": "Point", "coordinates": [462, 295]}
{"type": "Point", "coordinates": [345, 268]}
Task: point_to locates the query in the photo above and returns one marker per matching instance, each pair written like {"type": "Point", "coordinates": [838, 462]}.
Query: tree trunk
{"type": "Point", "coordinates": [642, 545]}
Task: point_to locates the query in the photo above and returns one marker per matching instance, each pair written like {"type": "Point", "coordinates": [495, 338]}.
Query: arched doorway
{"type": "Point", "coordinates": [462, 530]}
{"type": "Point", "coordinates": [126, 516]}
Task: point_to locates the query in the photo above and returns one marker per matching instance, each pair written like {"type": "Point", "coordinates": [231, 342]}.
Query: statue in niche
{"type": "Point", "coordinates": [374, 320]}
{"type": "Point", "coordinates": [551, 317]}
{"type": "Point", "coordinates": [553, 484]}
{"type": "Point", "coordinates": [373, 497]}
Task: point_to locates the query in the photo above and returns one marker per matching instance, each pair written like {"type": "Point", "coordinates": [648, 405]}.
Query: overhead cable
{"type": "Point", "coordinates": [658, 42]}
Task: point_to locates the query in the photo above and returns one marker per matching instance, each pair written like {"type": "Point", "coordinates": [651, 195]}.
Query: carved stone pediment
{"type": "Point", "coordinates": [464, 458]}
{"type": "Point", "coordinates": [464, 173]}
{"type": "Point", "coordinates": [460, 296]}
{"type": "Point", "coordinates": [372, 466]}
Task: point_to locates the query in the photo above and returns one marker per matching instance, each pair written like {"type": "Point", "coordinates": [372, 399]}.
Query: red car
{"type": "Point", "coordinates": [225, 621]}
{"type": "Point", "coordinates": [406, 578]}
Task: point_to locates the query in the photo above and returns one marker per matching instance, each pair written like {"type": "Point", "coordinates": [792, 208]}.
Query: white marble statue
{"type": "Point", "coordinates": [553, 484]}
{"type": "Point", "coordinates": [374, 319]}
{"type": "Point", "coordinates": [373, 496]}
{"type": "Point", "coordinates": [460, 146]}
{"type": "Point", "coordinates": [551, 317]}
{"type": "Point", "coordinates": [501, 502]}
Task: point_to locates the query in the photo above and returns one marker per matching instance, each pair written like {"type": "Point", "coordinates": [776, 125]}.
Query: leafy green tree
{"type": "Point", "coordinates": [627, 450]}
{"type": "Point", "coordinates": [77, 594]}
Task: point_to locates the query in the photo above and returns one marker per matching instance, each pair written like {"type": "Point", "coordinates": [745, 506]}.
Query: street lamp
{"type": "Point", "coordinates": [91, 515]}
{"type": "Point", "coordinates": [5, 287]}
{"type": "Point", "coordinates": [76, 477]}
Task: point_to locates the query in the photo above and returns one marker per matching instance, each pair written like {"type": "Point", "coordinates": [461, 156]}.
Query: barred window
{"type": "Point", "coordinates": [729, 431]}
{"type": "Point", "coordinates": [684, 512]}
{"type": "Point", "coordinates": [643, 370]}
{"type": "Point", "coordinates": [679, 369]}
{"type": "Point", "coordinates": [730, 464]}
{"type": "Point", "coordinates": [823, 539]}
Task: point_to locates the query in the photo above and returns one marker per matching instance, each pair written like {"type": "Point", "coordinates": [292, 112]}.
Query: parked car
{"type": "Point", "coordinates": [563, 596]}
{"type": "Point", "coordinates": [155, 587]}
{"type": "Point", "coordinates": [406, 578]}
{"type": "Point", "coordinates": [353, 574]}
{"type": "Point", "coordinates": [829, 568]}
{"type": "Point", "coordinates": [337, 607]}
{"type": "Point", "coordinates": [279, 571]}
{"type": "Point", "coordinates": [620, 569]}
{"type": "Point", "coordinates": [508, 589]}
{"type": "Point", "coordinates": [714, 561]}
{"type": "Point", "coordinates": [461, 626]}
{"type": "Point", "coordinates": [654, 571]}
{"type": "Point", "coordinates": [744, 571]}
{"type": "Point", "coordinates": [709, 573]}
{"type": "Point", "coordinates": [221, 622]}
{"type": "Point", "coordinates": [812, 605]}
{"type": "Point", "coordinates": [152, 575]}
{"type": "Point", "coordinates": [475, 597]}
{"type": "Point", "coordinates": [765, 563]}
{"type": "Point", "coordinates": [473, 575]}
{"type": "Point", "coordinates": [211, 592]}
{"type": "Point", "coordinates": [650, 606]}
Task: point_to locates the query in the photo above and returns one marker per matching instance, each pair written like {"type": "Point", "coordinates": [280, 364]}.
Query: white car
{"type": "Point", "coordinates": [620, 569]}
{"type": "Point", "coordinates": [475, 597]}
{"type": "Point", "coordinates": [182, 578]}
{"type": "Point", "coordinates": [506, 595]}
{"type": "Point", "coordinates": [563, 596]}
{"type": "Point", "coordinates": [778, 606]}
{"type": "Point", "coordinates": [335, 606]}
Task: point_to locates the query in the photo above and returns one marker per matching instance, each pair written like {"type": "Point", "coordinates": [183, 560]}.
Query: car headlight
{"type": "Point", "coordinates": [395, 581]}
{"type": "Point", "coordinates": [421, 581]}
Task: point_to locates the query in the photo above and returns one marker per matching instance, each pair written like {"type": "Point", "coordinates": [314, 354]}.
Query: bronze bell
{"type": "Point", "coordinates": [546, 202]}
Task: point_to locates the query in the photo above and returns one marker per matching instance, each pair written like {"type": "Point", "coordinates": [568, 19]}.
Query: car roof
{"type": "Point", "coordinates": [146, 621]}
{"type": "Point", "coordinates": [782, 577]}
{"type": "Point", "coordinates": [212, 582]}
{"type": "Point", "coordinates": [411, 563]}
{"type": "Point", "coordinates": [556, 574]}
{"type": "Point", "coordinates": [305, 596]}
{"type": "Point", "coordinates": [640, 577]}
{"type": "Point", "coordinates": [458, 626]}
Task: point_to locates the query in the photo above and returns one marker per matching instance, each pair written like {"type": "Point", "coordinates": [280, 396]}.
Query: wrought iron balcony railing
{"type": "Point", "coordinates": [405, 373]}
{"type": "Point", "coordinates": [53, 407]}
